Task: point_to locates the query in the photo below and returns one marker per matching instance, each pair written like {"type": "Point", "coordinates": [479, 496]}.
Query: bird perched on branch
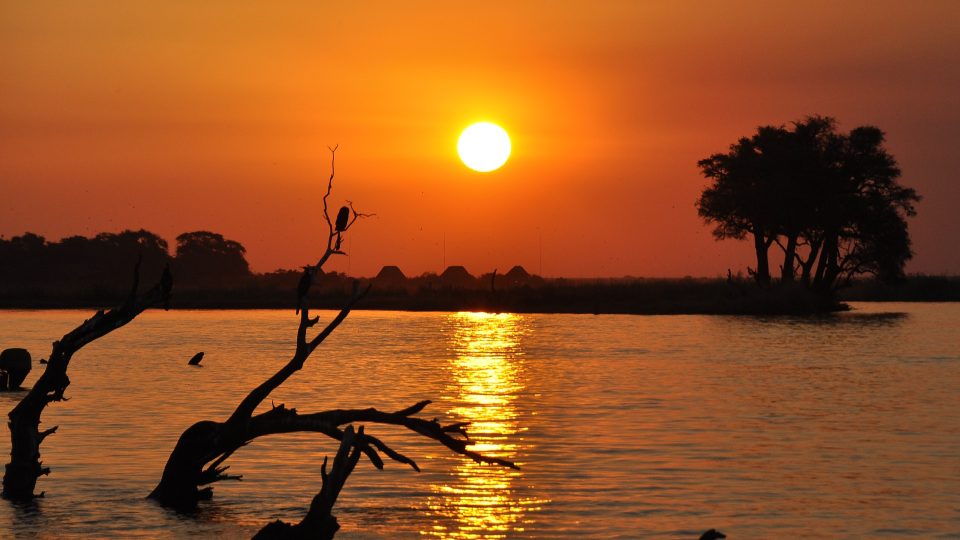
{"type": "Point", "coordinates": [303, 287]}
{"type": "Point", "coordinates": [343, 219]}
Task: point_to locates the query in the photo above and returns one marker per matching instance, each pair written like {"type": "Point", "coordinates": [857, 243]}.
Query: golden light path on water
{"type": "Point", "coordinates": [486, 364]}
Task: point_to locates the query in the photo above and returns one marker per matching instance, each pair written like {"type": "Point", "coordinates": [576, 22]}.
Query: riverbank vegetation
{"type": "Point", "coordinates": [82, 272]}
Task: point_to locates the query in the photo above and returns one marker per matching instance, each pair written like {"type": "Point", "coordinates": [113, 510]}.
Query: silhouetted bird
{"type": "Point", "coordinates": [343, 217]}
{"type": "Point", "coordinates": [303, 287]}
{"type": "Point", "coordinates": [166, 285]}
{"type": "Point", "coordinates": [712, 534]}
{"type": "Point", "coordinates": [195, 361]}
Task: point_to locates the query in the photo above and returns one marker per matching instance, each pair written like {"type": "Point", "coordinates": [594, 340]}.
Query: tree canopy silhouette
{"type": "Point", "coordinates": [206, 258]}
{"type": "Point", "coordinates": [830, 201]}
{"type": "Point", "coordinates": [77, 261]}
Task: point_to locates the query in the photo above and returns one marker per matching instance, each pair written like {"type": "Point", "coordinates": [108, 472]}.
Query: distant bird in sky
{"type": "Point", "coordinates": [712, 534]}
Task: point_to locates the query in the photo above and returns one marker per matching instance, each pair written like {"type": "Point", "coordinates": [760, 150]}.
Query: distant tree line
{"type": "Point", "coordinates": [197, 459]}
{"type": "Point", "coordinates": [201, 259]}
{"type": "Point", "coordinates": [830, 201]}
{"type": "Point", "coordinates": [211, 271]}
{"type": "Point", "coordinates": [89, 272]}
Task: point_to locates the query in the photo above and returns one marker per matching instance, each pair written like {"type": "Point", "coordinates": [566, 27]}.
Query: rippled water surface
{"type": "Point", "coordinates": [624, 426]}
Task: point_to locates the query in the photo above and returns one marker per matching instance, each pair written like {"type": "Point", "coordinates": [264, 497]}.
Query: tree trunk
{"type": "Point", "coordinates": [320, 523]}
{"type": "Point", "coordinates": [21, 474]}
{"type": "Point", "coordinates": [197, 459]}
{"type": "Point", "coordinates": [811, 260]}
{"type": "Point", "coordinates": [209, 441]}
{"type": "Point", "coordinates": [202, 449]}
{"type": "Point", "coordinates": [790, 253]}
{"type": "Point", "coordinates": [822, 281]}
{"type": "Point", "coordinates": [763, 264]}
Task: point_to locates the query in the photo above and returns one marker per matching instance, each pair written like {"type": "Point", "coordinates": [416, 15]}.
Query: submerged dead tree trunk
{"type": "Point", "coordinates": [197, 460]}
{"type": "Point", "coordinates": [20, 477]}
{"type": "Point", "coordinates": [210, 442]}
{"type": "Point", "coordinates": [319, 523]}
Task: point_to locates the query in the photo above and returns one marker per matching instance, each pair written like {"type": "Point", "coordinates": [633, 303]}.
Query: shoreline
{"type": "Point", "coordinates": [685, 296]}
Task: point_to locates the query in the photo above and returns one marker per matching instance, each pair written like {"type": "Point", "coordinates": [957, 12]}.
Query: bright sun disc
{"type": "Point", "coordinates": [484, 147]}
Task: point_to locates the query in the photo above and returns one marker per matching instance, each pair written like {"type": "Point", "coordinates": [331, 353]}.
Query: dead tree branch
{"type": "Point", "coordinates": [197, 460]}
{"type": "Point", "coordinates": [20, 477]}
{"type": "Point", "coordinates": [319, 522]}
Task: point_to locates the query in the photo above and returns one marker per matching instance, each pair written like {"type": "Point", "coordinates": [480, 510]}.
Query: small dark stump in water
{"type": "Point", "coordinates": [712, 534]}
{"type": "Point", "coordinates": [15, 364]}
{"type": "Point", "coordinates": [195, 361]}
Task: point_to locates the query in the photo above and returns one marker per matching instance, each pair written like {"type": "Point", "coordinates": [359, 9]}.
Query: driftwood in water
{"type": "Point", "coordinates": [195, 361]}
{"type": "Point", "coordinates": [319, 523]}
{"type": "Point", "coordinates": [202, 448]}
{"type": "Point", "coordinates": [197, 460]}
{"type": "Point", "coordinates": [15, 365]}
{"type": "Point", "coordinates": [20, 477]}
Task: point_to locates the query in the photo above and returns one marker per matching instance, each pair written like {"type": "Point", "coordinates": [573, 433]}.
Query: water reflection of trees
{"type": "Point", "coordinates": [486, 365]}
{"type": "Point", "coordinates": [844, 318]}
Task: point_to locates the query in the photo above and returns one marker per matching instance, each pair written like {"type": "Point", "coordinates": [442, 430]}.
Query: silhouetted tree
{"type": "Point", "coordinates": [20, 254]}
{"type": "Point", "coordinates": [860, 222]}
{"type": "Point", "coordinates": [77, 263]}
{"type": "Point", "coordinates": [830, 201]}
{"type": "Point", "coordinates": [738, 202]}
{"type": "Point", "coordinates": [207, 259]}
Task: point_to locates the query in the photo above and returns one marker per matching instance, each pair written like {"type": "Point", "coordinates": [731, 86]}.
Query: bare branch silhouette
{"type": "Point", "coordinates": [25, 467]}
{"type": "Point", "coordinates": [197, 461]}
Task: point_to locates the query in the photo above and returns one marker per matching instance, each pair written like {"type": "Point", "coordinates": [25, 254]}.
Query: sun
{"type": "Point", "coordinates": [484, 147]}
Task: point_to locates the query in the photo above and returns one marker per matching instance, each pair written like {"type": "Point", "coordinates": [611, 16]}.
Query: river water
{"type": "Point", "coordinates": [624, 426]}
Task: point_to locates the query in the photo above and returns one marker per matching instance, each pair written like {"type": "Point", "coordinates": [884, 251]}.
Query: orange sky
{"type": "Point", "coordinates": [176, 116]}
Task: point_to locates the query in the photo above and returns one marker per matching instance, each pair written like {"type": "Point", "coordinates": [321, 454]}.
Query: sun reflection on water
{"type": "Point", "coordinates": [486, 364]}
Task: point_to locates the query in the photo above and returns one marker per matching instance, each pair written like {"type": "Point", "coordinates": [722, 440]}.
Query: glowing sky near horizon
{"type": "Point", "coordinates": [181, 116]}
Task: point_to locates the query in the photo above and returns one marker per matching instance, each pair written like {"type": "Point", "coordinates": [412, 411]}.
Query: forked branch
{"type": "Point", "coordinates": [304, 348]}
{"type": "Point", "coordinates": [199, 456]}
{"type": "Point", "coordinates": [319, 523]}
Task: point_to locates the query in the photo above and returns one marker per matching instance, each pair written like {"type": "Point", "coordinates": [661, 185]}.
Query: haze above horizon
{"type": "Point", "coordinates": [217, 116]}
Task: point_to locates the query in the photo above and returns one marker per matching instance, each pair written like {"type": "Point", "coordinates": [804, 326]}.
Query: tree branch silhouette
{"type": "Point", "coordinates": [197, 460]}
{"type": "Point", "coordinates": [25, 467]}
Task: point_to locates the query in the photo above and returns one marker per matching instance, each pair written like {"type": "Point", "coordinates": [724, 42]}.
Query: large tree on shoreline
{"type": "Point", "coordinates": [830, 201]}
